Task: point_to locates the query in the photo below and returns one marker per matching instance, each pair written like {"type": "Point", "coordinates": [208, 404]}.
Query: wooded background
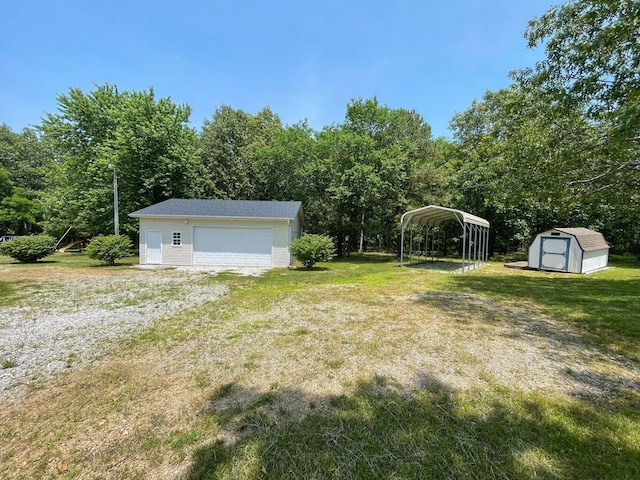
{"type": "Point", "coordinates": [558, 147]}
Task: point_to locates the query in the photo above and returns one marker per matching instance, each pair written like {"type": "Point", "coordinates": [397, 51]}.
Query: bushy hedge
{"type": "Point", "coordinates": [28, 249]}
{"type": "Point", "coordinates": [311, 249]}
{"type": "Point", "coordinates": [109, 248]}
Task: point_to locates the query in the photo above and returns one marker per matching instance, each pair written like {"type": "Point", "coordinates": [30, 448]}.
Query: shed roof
{"type": "Point", "coordinates": [435, 216]}
{"type": "Point", "coordinates": [589, 240]}
{"type": "Point", "coordinates": [180, 207]}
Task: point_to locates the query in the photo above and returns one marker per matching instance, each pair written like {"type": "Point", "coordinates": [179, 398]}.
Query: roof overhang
{"type": "Point", "coordinates": [435, 216]}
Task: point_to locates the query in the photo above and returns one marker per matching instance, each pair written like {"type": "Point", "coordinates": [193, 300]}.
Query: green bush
{"type": "Point", "coordinates": [311, 249]}
{"type": "Point", "coordinates": [28, 249]}
{"type": "Point", "coordinates": [109, 248]}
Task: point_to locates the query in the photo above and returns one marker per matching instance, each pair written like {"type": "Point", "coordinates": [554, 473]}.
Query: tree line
{"type": "Point", "coordinates": [558, 147]}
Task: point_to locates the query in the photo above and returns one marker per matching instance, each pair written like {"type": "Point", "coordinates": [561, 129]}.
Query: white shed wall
{"type": "Point", "coordinates": [595, 260]}
{"type": "Point", "coordinates": [183, 255]}
{"type": "Point", "coordinates": [295, 232]}
{"type": "Point", "coordinates": [534, 253]}
{"type": "Point", "coordinates": [575, 255]}
{"type": "Point", "coordinates": [579, 261]}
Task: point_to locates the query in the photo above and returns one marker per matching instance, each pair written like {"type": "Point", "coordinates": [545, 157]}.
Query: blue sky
{"type": "Point", "coordinates": [303, 59]}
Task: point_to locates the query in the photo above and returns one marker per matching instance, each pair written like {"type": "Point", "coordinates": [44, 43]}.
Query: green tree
{"type": "Point", "coordinates": [230, 143]}
{"type": "Point", "coordinates": [592, 59]}
{"type": "Point", "coordinates": [395, 168]}
{"type": "Point", "coordinates": [281, 165]}
{"type": "Point", "coordinates": [148, 141]}
{"type": "Point", "coordinates": [23, 163]}
{"type": "Point", "coordinates": [593, 63]}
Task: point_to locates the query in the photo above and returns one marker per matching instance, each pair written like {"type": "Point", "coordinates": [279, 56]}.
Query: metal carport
{"type": "Point", "coordinates": [475, 232]}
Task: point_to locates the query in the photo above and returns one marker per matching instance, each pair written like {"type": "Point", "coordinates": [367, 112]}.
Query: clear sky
{"type": "Point", "coordinates": [303, 59]}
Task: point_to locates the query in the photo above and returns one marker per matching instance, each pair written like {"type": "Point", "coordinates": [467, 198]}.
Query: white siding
{"type": "Point", "coordinates": [595, 260]}
{"type": "Point", "coordinates": [183, 255]}
{"type": "Point", "coordinates": [295, 232]}
{"type": "Point", "coordinates": [579, 261]}
{"type": "Point", "coordinates": [534, 253]}
{"type": "Point", "coordinates": [575, 256]}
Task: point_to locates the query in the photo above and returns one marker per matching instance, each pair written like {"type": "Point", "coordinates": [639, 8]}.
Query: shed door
{"type": "Point", "coordinates": [154, 246]}
{"type": "Point", "coordinates": [554, 253]}
{"type": "Point", "coordinates": [248, 246]}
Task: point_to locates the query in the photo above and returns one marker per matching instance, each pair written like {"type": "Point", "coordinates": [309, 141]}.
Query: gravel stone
{"type": "Point", "coordinates": [67, 323]}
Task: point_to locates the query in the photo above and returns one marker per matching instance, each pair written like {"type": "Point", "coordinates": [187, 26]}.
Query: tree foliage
{"type": "Point", "coordinates": [593, 63]}
{"type": "Point", "coordinates": [230, 143]}
{"type": "Point", "coordinates": [560, 146]}
{"type": "Point", "coordinates": [24, 161]}
{"type": "Point", "coordinates": [154, 152]}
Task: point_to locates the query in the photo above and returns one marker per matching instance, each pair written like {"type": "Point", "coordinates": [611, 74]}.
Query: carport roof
{"type": "Point", "coordinates": [181, 207]}
{"type": "Point", "coordinates": [434, 216]}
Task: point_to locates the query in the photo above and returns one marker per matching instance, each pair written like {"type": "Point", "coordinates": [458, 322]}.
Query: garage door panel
{"type": "Point", "coordinates": [232, 246]}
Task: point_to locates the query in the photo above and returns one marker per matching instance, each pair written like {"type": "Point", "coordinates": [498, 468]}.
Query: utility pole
{"type": "Point", "coordinates": [116, 221]}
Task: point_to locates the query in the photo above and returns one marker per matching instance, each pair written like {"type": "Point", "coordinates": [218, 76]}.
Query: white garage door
{"type": "Point", "coordinates": [232, 246]}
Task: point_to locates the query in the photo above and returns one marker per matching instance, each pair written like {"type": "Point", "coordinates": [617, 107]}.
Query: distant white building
{"type": "Point", "coordinates": [219, 232]}
{"type": "Point", "coordinates": [573, 250]}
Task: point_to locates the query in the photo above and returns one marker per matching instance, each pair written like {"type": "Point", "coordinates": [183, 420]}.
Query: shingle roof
{"type": "Point", "coordinates": [589, 240]}
{"type": "Point", "coordinates": [179, 207]}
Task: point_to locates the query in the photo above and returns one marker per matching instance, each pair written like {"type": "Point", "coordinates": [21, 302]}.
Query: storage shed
{"type": "Point", "coordinates": [574, 250]}
{"type": "Point", "coordinates": [219, 232]}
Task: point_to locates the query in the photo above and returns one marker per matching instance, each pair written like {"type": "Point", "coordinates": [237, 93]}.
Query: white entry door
{"type": "Point", "coordinates": [154, 246]}
{"type": "Point", "coordinates": [232, 246]}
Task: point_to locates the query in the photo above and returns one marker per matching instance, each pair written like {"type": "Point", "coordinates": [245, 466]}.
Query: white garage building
{"type": "Point", "coordinates": [219, 232]}
{"type": "Point", "coordinates": [574, 250]}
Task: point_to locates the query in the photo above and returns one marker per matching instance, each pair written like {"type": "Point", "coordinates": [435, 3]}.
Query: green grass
{"type": "Point", "coordinates": [378, 432]}
{"type": "Point", "coordinates": [605, 305]}
{"type": "Point", "coordinates": [377, 428]}
{"type": "Point", "coordinates": [69, 260]}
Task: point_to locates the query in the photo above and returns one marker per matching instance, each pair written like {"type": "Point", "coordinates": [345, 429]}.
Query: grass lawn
{"type": "Point", "coordinates": [356, 369]}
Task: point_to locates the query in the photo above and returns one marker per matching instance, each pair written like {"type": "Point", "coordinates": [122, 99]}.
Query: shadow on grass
{"type": "Point", "coordinates": [367, 258]}
{"type": "Point", "coordinates": [599, 305]}
{"type": "Point", "coordinates": [437, 265]}
{"type": "Point", "coordinates": [386, 430]}
{"type": "Point", "coordinates": [312, 269]}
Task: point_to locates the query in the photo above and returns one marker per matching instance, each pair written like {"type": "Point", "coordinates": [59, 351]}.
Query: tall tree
{"type": "Point", "coordinates": [230, 142]}
{"type": "Point", "coordinates": [148, 142]}
{"type": "Point", "coordinates": [23, 164]}
{"type": "Point", "coordinates": [593, 61]}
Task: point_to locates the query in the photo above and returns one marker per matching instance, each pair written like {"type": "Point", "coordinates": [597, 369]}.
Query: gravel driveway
{"type": "Point", "coordinates": [67, 322]}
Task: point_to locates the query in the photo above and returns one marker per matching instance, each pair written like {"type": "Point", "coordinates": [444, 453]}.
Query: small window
{"type": "Point", "coordinates": [176, 239]}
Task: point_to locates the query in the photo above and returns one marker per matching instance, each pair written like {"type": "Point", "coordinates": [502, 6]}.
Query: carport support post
{"type": "Point", "coordinates": [486, 246]}
{"type": "Point", "coordinates": [411, 247]}
{"type": "Point", "coordinates": [469, 243]}
{"type": "Point", "coordinates": [481, 252]}
{"type": "Point", "coordinates": [402, 243]}
{"type": "Point", "coordinates": [485, 250]}
{"type": "Point", "coordinates": [464, 243]}
{"type": "Point", "coordinates": [475, 246]}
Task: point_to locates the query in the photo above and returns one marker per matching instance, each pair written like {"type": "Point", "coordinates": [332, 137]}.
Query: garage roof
{"type": "Point", "coordinates": [589, 240]}
{"type": "Point", "coordinates": [180, 207]}
{"type": "Point", "coordinates": [434, 216]}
